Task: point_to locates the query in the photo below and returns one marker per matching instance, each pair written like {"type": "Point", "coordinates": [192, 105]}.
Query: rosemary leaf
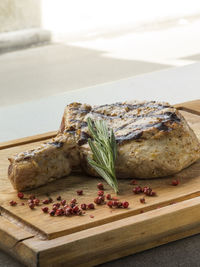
{"type": "Point", "coordinates": [104, 149]}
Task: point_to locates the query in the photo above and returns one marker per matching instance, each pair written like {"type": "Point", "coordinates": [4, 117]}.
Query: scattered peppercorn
{"type": "Point", "coordinates": [137, 190]}
{"type": "Point", "coordinates": [91, 206]}
{"type": "Point", "coordinates": [92, 216]}
{"type": "Point", "coordinates": [79, 192]}
{"type": "Point", "coordinates": [32, 197]}
{"type": "Point", "coordinates": [83, 206]}
{"type": "Point", "coordinates": [58, 198]}
{"type": "Point", "coordinates": [13, 203]}
{"type": "Point", "coordinates": [56, 205]}
{"type": "Point", "coordinates": [20, 195]}
{"type": "Point", "coordinates": [45, 209]}
{"type": "Point", "coordinates": [73, 200]}
{"type": "Point", "coordinates": [175, 182]}
{"type": "Point", "coordinates": [142, 200]}
{"type": "Point", "coordinates": [148, 191]}
{"type": "Point", "coordinates": [100, 193]}
{"type": "Point", "coordinates": [22, 204]}
{"type": "Point", "coordinates": [63, 202]}
{"type": "Point", "coordinates": [72, 204]}
{"type": "Point", "coordinates": [31, 206]}
{"type": "Point", "coordinates": [75, 210]}
{"type": "Point", "coordinates": [125, 204]}
{"type": "Point", "coordinates": [115, 203]}
{"type": "Point", "coordinates": [97, 200]}
{"type": "Point", "coordinates": [110, 204]}
{"type": "Point", "coordinates": [119, 204]}
{"type": "Point", "coordinates": [100, 186]}
{"type": "Point", "coordinates": [36, 201]}
{"type": "Point", "coordinates": [59, 212]}
{"type": "Point", "coordinates": [30, 201]}
{"type": "Point", "coordinates": [108, 197]}
{"type": "Point", "coordinates": [68, 211]}
{"type": "Point", "coordinates": [52, 213]}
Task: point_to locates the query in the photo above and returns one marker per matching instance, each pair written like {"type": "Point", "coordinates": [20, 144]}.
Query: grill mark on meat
{"type": "Point", "coordinates": [135, 135]}
{"type": "Point", "coordinates": [136, 131]}
{"type": "Point", "coordinates": [57, 144]}
{"type": "Point", "coordinates": [145, 110]}
{"type": "Point", "coordinates": [166, 117]}
{"type": "Point", "coordinates": [151, 104]}
{"type": "Point", "coordinates": [79, 110]}
{"type": "Point", "coordinates": [83, 138]}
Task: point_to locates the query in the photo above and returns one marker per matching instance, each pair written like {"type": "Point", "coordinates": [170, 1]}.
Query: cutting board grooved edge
{"type": "Point", "coordinates": [21, 224]}
{"type": "Point", "coordinates": [189, 110]}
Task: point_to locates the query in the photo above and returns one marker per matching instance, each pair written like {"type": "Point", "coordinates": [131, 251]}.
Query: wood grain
{"type": "Point", "coordinates": [191, 106]}
{"type": "Point", "coordinates": [126, 236]}
{"type": "Point", "coordinates": [53, 241]}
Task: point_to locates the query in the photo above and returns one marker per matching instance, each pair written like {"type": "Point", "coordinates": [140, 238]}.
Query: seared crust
{"type": "Point", "coordinates": [154, 140]}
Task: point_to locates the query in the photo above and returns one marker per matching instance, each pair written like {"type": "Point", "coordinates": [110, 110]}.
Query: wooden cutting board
{"type": "Point", "coordinates": [103, 234]}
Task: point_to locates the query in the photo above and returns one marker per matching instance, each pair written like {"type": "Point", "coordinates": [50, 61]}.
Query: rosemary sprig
{"type": "Point", "coordinates": [104, 151]}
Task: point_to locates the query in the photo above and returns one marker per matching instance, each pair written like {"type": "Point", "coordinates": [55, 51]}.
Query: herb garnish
{"type": "Point", "coordinates": [104, 149]}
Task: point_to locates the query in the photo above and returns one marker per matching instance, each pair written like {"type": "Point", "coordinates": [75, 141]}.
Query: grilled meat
{"type": "Point", "coordinates": [153, 138]}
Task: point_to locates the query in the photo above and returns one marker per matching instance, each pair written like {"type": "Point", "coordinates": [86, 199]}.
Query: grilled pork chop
{"type": "Point", "coordinates": [153, 138]}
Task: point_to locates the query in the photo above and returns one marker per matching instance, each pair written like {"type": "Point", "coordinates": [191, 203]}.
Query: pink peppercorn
{"type": "Point", "coordinates": [137, 190]}
{"type": "Point", "coordinates": [79, 192]}
{"type": "Point", "coordinates": [83, 206]}
{"type": "Point", "coordinates": [45, 209]}
{"type": "Point", "coordinates": [175, 182]}
{"type": "Point", "coordinates": [108, 197]}
{"type": "Point", "coordinates": [100, 186]}
{"type": "Point", "coordinates": [13, 203]}
{"type": "Point", "coordinates": [58, 198]}
{"type": "Point", "coordinates": [110, 204]}
{"type": "Point", "coordinates": [20, 195]}
{"type": "Point", "coordinates": [30, 201]}
{"type": "Point", "coordinates": [142, 200]}
{"type": "Point", "coordinates": [125, 204]}
{"type": "Point", "coordinates": [36, 201]}
{"type": "Point", "coordinates": [56, 205]}
{"type": "Point", "coordinates": [75, 210]}
{"type": "Point", "coordinates": [119, 204]}
{"type": "Point", "coordinates": [91, 206]}
{"type": "Point", "coordinates": [59, 212]}
{"type": "Point", "coordinates": [63, 202]}
{"type": "Point", "coordinates": [68, 211]}
{"type": "Point", "coordinates": [100, 193]}
{"type": "Point", "coordinates": [52, 213]}
{"type": "Point", "coordinates": [31, 206]}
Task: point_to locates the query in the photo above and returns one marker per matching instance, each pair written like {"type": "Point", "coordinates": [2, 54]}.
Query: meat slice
{"type": "Point", "coordinates": [153, 138]}
{"type": "Point", "coordinates": [50, 161]}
